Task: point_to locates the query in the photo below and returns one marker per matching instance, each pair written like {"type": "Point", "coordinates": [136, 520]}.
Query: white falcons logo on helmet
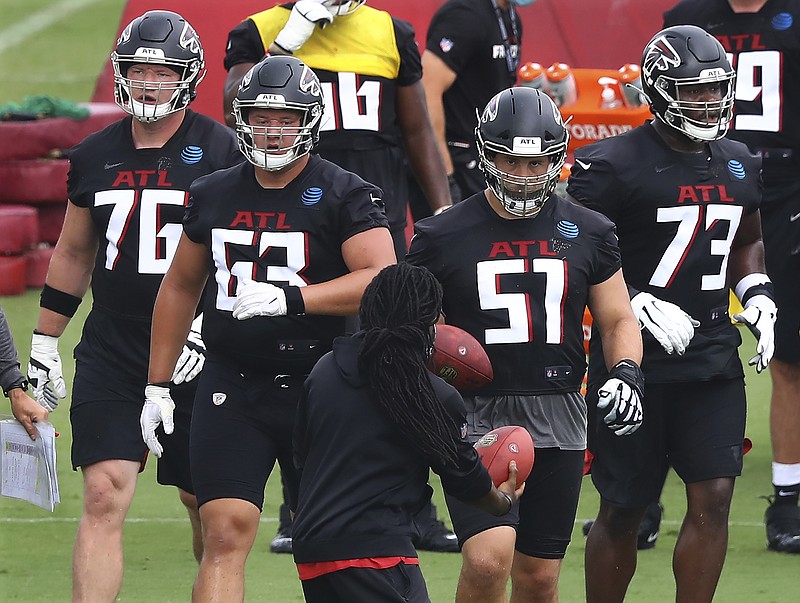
{"type": "Point", "coordinates": [490, 112]}
{"type": "Point", "coordinates": [309, 83]}
{"type": "Point", "coordinates": [190, 40]}
{"type": "Point", "coordinates": [661, 55]}
{"type": "Point", "coordinates": [247, 77]}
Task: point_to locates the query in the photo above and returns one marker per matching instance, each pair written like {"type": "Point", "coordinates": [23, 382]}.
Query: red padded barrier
{"type": "Point", "coordinates": [37, 138]}
{"type": "Point", "coordinates": [19, 228]}
{"type": "Point", "coordinates": [33, 180]}
{"type": "Point", "coordinates": [38, 261]}
{"type": "Point", "coordinates": [12, 275]}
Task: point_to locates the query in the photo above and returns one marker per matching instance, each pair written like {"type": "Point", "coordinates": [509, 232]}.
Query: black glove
{"type": "Point", "coordinates": [622, 395]}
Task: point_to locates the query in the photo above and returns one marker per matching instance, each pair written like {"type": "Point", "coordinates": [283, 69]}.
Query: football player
{"type": "Point", "coordinates": [128, 185]}
{"type": "Point", "coordinates": [685, 201]}
{"type": "Point", "coordinates": [374, 107]}
{"type": "Point", "coordinates": [761, 37]}
{"type": "Point", "coordinates": [288, 256]}
{"type": "Point", "coordinates": [519, 265]}
{"type": "Point", "coordinates": [374, 100]}
{"type": "Point", "coordinates": [361, 484]}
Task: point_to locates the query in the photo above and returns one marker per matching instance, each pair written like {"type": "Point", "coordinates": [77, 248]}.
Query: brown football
{"type": "Point", "coordinates": [459, 359]}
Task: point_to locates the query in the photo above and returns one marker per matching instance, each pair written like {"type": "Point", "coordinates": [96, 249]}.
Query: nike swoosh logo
{"type": "Point", "coordinates": [585, 166]}
{"type": "Point", "coordinates": [785, 493]}
{"type": "Point", "coordinates": [652, 537]}
{"type": "Point", "coordinates": [794, 218]}
{"type": "Point", "coordinates": [108, 166]}
{"type": "Point", "coordinates": [662, 168]}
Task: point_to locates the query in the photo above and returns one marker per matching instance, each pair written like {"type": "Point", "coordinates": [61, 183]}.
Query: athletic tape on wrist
{"type": "Point", "coordinates": [59, 301]}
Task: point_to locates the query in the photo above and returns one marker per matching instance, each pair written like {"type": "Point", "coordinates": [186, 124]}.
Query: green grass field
{"type": "Point", "coordinates": [63, 59]}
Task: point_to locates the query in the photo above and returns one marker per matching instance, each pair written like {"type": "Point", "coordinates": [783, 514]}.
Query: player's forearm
{"type": "Point", "coordinates": [340, 296]}
{"type": "Point", "coordinates": [172, 317]}
{"type": "Point", "coordinates": [70, 272]}
{"type": "Point", "coordinates": [623, 340]}
{"type": "Point", "coordinates": [436, 114]}
{"type": "Point", "coordinates": [429, 168]}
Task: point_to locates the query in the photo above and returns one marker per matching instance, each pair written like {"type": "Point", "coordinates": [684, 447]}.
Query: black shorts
{"type": "Point", "coordinates": [545, 515]}
{"type": "Point", "coordinates": [173, 466]}
{"type": "Point", "coordinates": [242, 424]}
{"type": "Point", "coordinates": [697, 428]}
{"type": "Point", "coordinates": [105, 424]}
{"type": "Point", "coordinates": [782, 251]}
{"type": "Point", "coordinates": [399, 584]}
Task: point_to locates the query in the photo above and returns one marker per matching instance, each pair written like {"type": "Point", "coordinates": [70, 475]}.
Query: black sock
{"type": "Point", "coordinates": [787, 495]}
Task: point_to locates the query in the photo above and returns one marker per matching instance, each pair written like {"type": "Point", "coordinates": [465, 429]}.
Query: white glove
{"type": "Point", "coordinates": [259, 299]}
{"type": "Point", "coordinates": [672, 327]}
{"type": "Point", "coordinates": [158, 408]}
{"type": "Point", "coordinates": [305, 16]}
{"type": "Point", "coordinates": [621, 395]}
{"type": "Point", "coordinates": [45, 373]}
{"type": "Point", "coordinates": [193, 355]}
{"type": "Point", "coordinates": [759, 315]}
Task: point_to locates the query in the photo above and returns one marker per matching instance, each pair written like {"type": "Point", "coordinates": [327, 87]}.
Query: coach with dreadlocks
{"type": "Point", "coordinates": [371, 422]}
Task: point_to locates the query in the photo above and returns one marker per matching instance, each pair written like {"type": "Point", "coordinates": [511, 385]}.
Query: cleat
{"type": "Point", "coordinates": [282, 543]}
{"type": "Point", "coordinates": [783, 528]}
{"type": "Point", "coordinates": [648, 528]}
{"type": "Point", "coordinates": [437, 538]}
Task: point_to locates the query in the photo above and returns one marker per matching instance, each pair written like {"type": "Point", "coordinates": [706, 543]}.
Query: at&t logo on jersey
{"type": "Point", "coordinates": [736, 169]}
{"type": "Point", "coordinates": [311, 195]}
{"type": "Point", "coordinates": [568, 229]}
{"type": "Point", "coordinates": [191, 154]}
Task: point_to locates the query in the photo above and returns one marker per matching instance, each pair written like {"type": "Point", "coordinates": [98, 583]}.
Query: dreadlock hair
{"type": "Point", "coordinates": [398, 311]}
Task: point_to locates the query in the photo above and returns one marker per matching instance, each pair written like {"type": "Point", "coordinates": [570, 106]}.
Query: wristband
{"type": "Point", "coordinates": [629, 372]}
{"type": "Point", "coordinates": [295, 305]}
{"type": "Point", "coordinates": [754, 284]}
{"type": "Point", "coordinates": [510, 502]}
{"type": "Point", "coordinates": [160, 384]}
{"type": "Point", "coordinates": [59, 301]}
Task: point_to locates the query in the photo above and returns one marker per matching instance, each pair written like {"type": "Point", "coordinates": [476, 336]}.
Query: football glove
{"type": "Point", "coordinates": [193, 355]}
{"type": "Point", "coordinates": [667, 323]}
{"type": "Point", "coordinates": [759, 315]}
{"type": "Point", "coordinates": [158, 408]}
{"type": "Point", "coordinates": [45, 372]}
{"type": "Point", "coordinates": [305, 16]}
{"type": "Point", "coordinates": [259, 299]}
{"type": "Point", "coordinates": [622, 396]}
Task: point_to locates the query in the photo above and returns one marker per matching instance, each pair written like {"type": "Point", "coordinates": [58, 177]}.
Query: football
{"type": "Point", "coordinates": [501, 446]}
{"type": "Point", "coordinates": [459, 359]}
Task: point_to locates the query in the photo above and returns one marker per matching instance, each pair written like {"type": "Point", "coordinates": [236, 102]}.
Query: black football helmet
{"type": "Point", "coordinates": [158, 37]}
{"type": "Point", "coordinates": [686, 55]}
{"type": "Point", "coordinates": [526, 123]}
{"type": "Point", "coordinates": [279, 82]}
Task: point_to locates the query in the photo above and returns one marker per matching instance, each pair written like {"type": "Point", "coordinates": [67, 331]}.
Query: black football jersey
{"type": "Point", "coordinates": [764, 48]}
{"type": "Point", "coordinates": [137, 198]}
{"type": "Point", "coordinates": [290, 236]}
{"type": "Point", "coordinates": [360, 62]}
{"type": "Point", "coordinates": [676, 215]}
{"type": "Point", "coordinates": [467, 36]}
{"type": "Point", "coordinates": [520, 287]}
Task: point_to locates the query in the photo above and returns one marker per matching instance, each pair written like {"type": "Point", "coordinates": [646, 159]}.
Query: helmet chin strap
{"type": "Point", "coordinates": [272, 162]}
